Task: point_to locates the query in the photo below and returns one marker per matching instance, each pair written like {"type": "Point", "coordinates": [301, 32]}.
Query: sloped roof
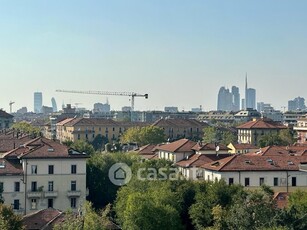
{"type": "Point", "coordinates": [176, 122]}
{"type": "Point", "coordinates": [4, 114]}
{"type": "Point", "coordinates": [244, 146]}
{"type": "Point", "coordinates": [196, 160]}
{"type": "Point", "coordinates": [262, 124]}
{"type": "Point", "coordinates": [42, 219]}
{"type": "Point", "coordinates": [182, 145]}
{"type": "Point", "coordinates": [248, 162]}
{"type": "Point", "coordinates": [208, 146]}
{"type": "Point", "coordinates": [8, 167]}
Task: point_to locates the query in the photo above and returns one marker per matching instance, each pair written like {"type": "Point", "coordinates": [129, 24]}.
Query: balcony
{"type": "Point", "coordinates": [300, 128]}
{"type": "Point", "coordinates": [76, 193]}
{"type": "Point", "coordinates": [51, 194]}
{"type": "Point", "coordinates": [34, 194]}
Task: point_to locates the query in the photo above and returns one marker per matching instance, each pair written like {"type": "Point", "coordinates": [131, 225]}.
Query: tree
{"type": "Point", "coordinates": [83, 146]}
{"type": "Point", "coordinates": [218, 135]}
{"type": "Point", "coordinates": [148, 205]}
{"type": "Point", "coordinates": [90, 220]}
{"type": "Point", "coordinates": [101, 190]}
{"type": "Point", "coordinates": [24, 127]}
{"type": "Point", "coordinates": [8, 219]}
{"type": "Point", "coordinates": [144, 135]}
{"type": "Point", "coordinates": [284, 137]}
{"type": "Point", "coordinates": [99, 142]}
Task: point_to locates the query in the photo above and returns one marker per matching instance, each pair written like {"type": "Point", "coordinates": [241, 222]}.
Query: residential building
{"type": "Point", "coordinates": [246, 115]}
{"type": "Point", "coordinates": [171, 109]}
{"type": "Point", "coordinates": [281, 168]}
{"type": "Point", "coordinates": [175, 129]}
{"type": "Point", "coordinates": [176, 151]}
{"type": "Point", "coordinates": [241, 148]}
{"type": "Point", "coordinates": [290, 118]}
{"type": "Point", "coordinates": [216, 116]}
{"type": "Point", "coordinates": [73, 129]}
{"type": "Point", "coordinates": [6, 120]}
{"type": "Point", "coordinates": [38, 102]}
{"type": "Point", "coordinates": [101, 108]}
{"type": "Point", "coordinates": [252, 131]}
{"type": "Point", "coordinates": [301, 129]}
{"type": "Point", "coordinates": [43, 174]}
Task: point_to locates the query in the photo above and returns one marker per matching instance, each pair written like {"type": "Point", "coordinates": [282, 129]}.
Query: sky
{"type": "Point", "coordinates": [179, 52]}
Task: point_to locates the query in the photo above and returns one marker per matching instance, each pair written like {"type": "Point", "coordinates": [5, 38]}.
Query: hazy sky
{"type": "Point", "coordinates": [179, 52]}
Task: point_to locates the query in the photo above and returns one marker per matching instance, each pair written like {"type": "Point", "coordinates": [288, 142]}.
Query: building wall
{"type": "Point", "coordinates": [268, 176]}
{"type": "Point", "coordinates": [252, 136]}
{"type": "Point", "coordinates": [62, 178]}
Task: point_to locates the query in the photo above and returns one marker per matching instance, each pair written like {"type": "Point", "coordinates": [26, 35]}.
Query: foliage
{"type": "Point", "coordinates": [24, 127]}
{"type": "Point", "coordinates": [8, 219]}
{"type": "Point", "coordinates": [148, 205]}
{"type": "Point", "coordinates": [83, 146]}
{"type": "Point", "coordinates": [284, 137]}
{"type": "Point", "coordinates": [101, 190]}
{"type": "Point", "coordinates": [221, 135]}
{"type": "Point", "coordinates": [209, 195]}
{"type": "Point", "coordinates": [143, 135]}
{"type": "Point", "coordinates": [99, 142]}
{"type": "Point", "coordinates": [90, 220]}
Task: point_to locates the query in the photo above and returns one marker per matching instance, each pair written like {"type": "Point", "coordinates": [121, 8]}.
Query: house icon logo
{"type": "Point", "coordinates": [120, 174]}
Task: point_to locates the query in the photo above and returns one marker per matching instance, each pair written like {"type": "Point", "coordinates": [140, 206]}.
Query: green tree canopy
{"type": "Point", "coordinates": [221, 135]}
{"type": "Point", "coordinates": [8, 219]}
{"type": "Point", "coordinates": [284, 137]}
{"type": "Point", "coordinates": [83, 146]}
{"type": "Point", "coordinates": [144, 135]}
{"type": "Point", "coordinates": [25, 127]}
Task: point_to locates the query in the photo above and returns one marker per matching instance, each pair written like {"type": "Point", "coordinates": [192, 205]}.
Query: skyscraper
{"type": "Point", "coordinates": [250, 96]}
{"type": "Point", "coordinates": [236, 98]}
{"type": "Point", "coordinates": [228, 101]}
{"type": "Point", "coordinates": [54, 105]}
{"type": "Point", "coordinates": [38, 102]}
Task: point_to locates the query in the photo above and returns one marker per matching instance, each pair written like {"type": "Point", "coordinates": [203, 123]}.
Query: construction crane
{"type": "Point", "coordinates": [129, 94]}
{"type": "Point", "coordinates": [11, 105]}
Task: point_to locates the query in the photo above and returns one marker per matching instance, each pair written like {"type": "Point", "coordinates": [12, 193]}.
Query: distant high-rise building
{"type": "Point", "coordinates": [54, 105]}
{"type": "Point", "coordinates": [224, 101]}
{"type": "Point", "coordinates": [101, 108]}
{"type": "Point", "coordinates": [38, 102]}
{"type": "Point", "coordinates": [296, 104]}
{"type": "Point", "coordinates": [236, 98]}
{"type": "Point", "coordinates": [171, 109]}
{"type": "Point", "coordinates": [250, 96]}
{"type": "Point", "coordinates": [228, 101]}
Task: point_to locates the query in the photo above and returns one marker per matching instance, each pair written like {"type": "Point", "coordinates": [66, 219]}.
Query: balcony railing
{"type": "Point", "coordinates": [34, 194]}
{"type": "Point", "coordinates": [51, 194]}
{"type": "Point", "coordinates": [76, 193]}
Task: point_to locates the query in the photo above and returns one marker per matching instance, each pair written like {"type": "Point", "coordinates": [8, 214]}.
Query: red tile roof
{"type": "Point", "coordinates": [196, 160]}
{"type": "Point", "coordinates": [8, 167]}
{"type": "Point", "coordinates": [42, 219]}
{"type": "Point", "coordinates": [147, 150]}
{"type": "Point", "coordinates": [249, 162]}
{"type": "Point", "coordinates": [244, 146]}
{"type": "Point", "coordinates": [209, 146]}
{"type": "Point", "coordinates": [262, 124]}
{"type": "Point", "coordinates": [182, 145]}
{"type": "Point", "coordinates": [180, 123]}
{"type": "Point", "coordinates": [281, 199]}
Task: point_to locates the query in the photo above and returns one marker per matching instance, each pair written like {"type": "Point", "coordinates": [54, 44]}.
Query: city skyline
{"type": "Point", "coordinates": [178, 52]}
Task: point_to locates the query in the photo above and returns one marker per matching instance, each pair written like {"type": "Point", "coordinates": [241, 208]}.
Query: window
{"type": "Point", "coordinates": [17, 187]}
{"type": "Point", "coordinates": [50, 203]}
{"type": "Point", "coordinates": [34, 186]}
{"type": "Point", "coordinates": [50, 186]}
{"type": "Point", "coordinates": [73, 185]}
{"type": "Point", "coordinates": [50, 169]}
{"type": "Point", "coordinates": [113, 129]}
{"type": "Point", "coordinates": [73, 169]}
{"type": "Point", "coordinates": [261, 181]}
{"type": "Point", "coordinates": [293, 181]}
{"type": "Point", "coordinates": [73, 202]}
{"type": "Point", "coordinates": [93, 135]}
{"type": "Point", "coordinates": [275, 181]}
{"type": "Point", "coordinates": [16, 204]}
{"type": "Point", "coordinates": [86, 136]}
{"type": "Point", "coordinates": [33, 204]}
{"type": "Point", "coordinates": [230, 180]}
{"type": "Point", "coordinates": [34, 169]}
{"type": "Point", "coordinates": [78, 136]}
{"type": "Point", "coordinates": [246, 181]}
{"type": "Point", "coordinates": [1, 186]}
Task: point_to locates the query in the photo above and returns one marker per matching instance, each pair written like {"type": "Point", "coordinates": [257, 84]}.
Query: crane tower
{"type": "Point", "coordinates": [129, 94]}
